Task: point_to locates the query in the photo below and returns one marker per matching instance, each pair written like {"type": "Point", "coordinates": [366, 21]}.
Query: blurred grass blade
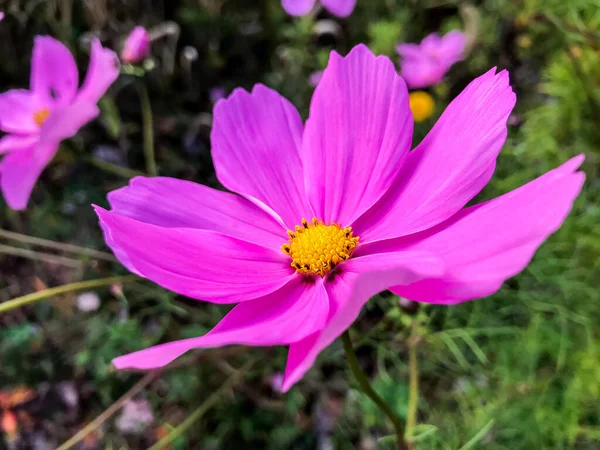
{"type": "Point", "coordinates": [479, 436]}
{"type": "Point", "coordinates": [94, 424]}
{"type": "Point", "coordinates": [211, 401]}
{"type": "Point", "coordinates": [38, 256]}
{"type": "Point", "coordinates": [80, 285]}
{"type": "Point", "coordinates": [56, 245]}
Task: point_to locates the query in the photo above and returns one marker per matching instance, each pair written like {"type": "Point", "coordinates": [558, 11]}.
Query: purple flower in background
{"type": "Point", "coordinates": [1, 15]}
{"type": "Point", "coordinates": [137, 46]}
{"type": "Point", "coordinates": [425, 64]}
{"type": "Point", "coordinates": [217, 94]}
{"type": "Point", "coordinates": [379, 215]}
{"type": "Point", "coordinates": [276, 382]}
{"type": "Point", "coordinates": [340, 8]}
{"type": "Point", "coordinates": [315, 77]}
{"type": "Point", "coordinates": [136, 416]}
{"type": "Point", "coordinates": [54, 109]}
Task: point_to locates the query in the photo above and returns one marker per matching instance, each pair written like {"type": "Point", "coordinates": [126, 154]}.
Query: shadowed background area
{"type": "Point", "coordinates": [517, 370]}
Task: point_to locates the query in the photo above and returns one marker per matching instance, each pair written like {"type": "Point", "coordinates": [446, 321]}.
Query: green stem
{"type": "Point", "coordinates": [120, 171]}
{"type": "Point", "coordinates": [148, 130]}
{"type": "Point", "coordinates": [80, 285]}
{"type": "Point", "coordinates": [39, 256]}
{"type": "Point", "coordinates": [366, 387]}
{"type": "Point", "coordinates": [413, 396]}
{"type": "Point", "coordinates": [211, 401]}
{"type": "Point", "coordinates": [64, 247]}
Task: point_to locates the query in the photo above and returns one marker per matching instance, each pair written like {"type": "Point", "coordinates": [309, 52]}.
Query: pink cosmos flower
{"type": "Point", "coordinates": [137, 46]}
{"type": "Point", "coordinates": [315, 78]}
{"type": "Point", "coordinates": [276, 381]}
{"type": "Point", "coordinates": [331, 212]}
{"type": "Point", "coordinates": [216, 94]}
{"type": "Point", "coordinates": [54, 109]}
{"type": "Point", "coordinates": [426, 64]}
{"type": "Point", "coordinates": [340, 8]}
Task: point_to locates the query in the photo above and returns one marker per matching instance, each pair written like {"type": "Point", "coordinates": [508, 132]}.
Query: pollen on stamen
{"type": "Point", "coordinates": [316, 248]}
{"type": "Point", "coordinates": [39, 117]}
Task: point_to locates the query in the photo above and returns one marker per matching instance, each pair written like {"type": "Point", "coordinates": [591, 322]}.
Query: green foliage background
{"type": "Point", "coordinates": [518, 370]}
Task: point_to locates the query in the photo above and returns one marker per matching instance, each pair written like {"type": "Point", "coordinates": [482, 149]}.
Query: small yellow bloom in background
{"type": "Point", "coordinates": [422, 105]}
{"type": "Point", "coordinates": [524, 41]}
{"type": "Point", "coordinates": [575, 51]}
{"type": "Point", "coordinates": [523, 20]}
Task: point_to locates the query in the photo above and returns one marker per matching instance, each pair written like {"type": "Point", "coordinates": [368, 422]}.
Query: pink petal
{"type": "Point", "coordinates": [431, 43]}
{"type": "Point", "coordinates": [54, 77]}
{"type": "Point", "coordinates": [340, 8]}
{"type": "Point", "coordinates": [298, 7]}
{"type": "Point", "coordinates": [288, 315]}
{"type": "Point", "coordinates": [20, 169]}
{"type": "Point", "coordinates": [422, 72]}
{"type": "Point", "coordinates": [483, 245]}
{"type": "Point", "coordinates": [201, 264]}
{"type": "Point", "coordinates": [168, 202]}
{"type": "Point", "coordinates": [412, 51]}
{"type": "Point", "coordinates": [361, 278]}
{"type": "Point", "coordinates": [357, 136]}
{"type": "Point", "coordinates": [11, 142]}
{"type": "Point", "coordinates": [301, 357]}
{"type": "Point", "coordinates": [256, 139]}
{"type": "Point", "coordinates": [65, 122]}
{"type": "Point", "coordinates": [137, 46]}
{"type": "Point", "coordinates": [426, 64]}
{"type": "Point", "coordinates": [121, 254]}
{"type": "Point", "coordinates": [17, 108]}
{"type": "Point", "coordinates": [419, 66]}
{"type": "Point", "coordinates": [452, 164]}
{"type": "Point", "coordinates": [452, 47]}
{"type": "Point", "coordinates": [103, 70]}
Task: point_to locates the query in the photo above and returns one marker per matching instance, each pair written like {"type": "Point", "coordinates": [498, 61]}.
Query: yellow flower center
{"type": "Point", "coordinates": [422, 105]}
{"type": "Point", "coordinates": [317, 248]}
{"type": "Point", "coordinates": [40, 116]}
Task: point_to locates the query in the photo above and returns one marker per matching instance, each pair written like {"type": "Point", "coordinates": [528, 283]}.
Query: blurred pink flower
{"type": "Point", "coordinates": [340, 8]}
{"type": "Point", "coordinates": [1, 15]}
{"type": "Point", "coordinates": [315, 77]}
{"type": "Point", "coordinates": [216, 94]}
{"type": "Point", "coordinates": [383, 216]}
{"type": "Point", "coordinates": [426, 64]}
{"type": "Point", "coordinates": [137, 46]}
{"type": "Point", "coordinates": [136, 416]}
{"type": "Point", "coordinates": [54, 109]}
{"type": "Point", "coordinates": [276, 381]}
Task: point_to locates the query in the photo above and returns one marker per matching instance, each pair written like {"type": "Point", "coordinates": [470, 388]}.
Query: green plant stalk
{"type": "Point", "coordinates": [211, 401]}
{"type": "Point", "coordinates": [366, 387]}
{"type": "Point", "coordinates": [114, 169]}
{"type": "Point", "coordinates": [479, 436]}
{"type": "Point", "coordinates": [64, 247]}
{"type": "Point", "coordinates": [413, 396]}
{"type": "Point", "coordinates": [80, 285]}
{"type": "Point", "coordinates": [148, 130]}
{"type": "Point", "coordinates": [39, 256]}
